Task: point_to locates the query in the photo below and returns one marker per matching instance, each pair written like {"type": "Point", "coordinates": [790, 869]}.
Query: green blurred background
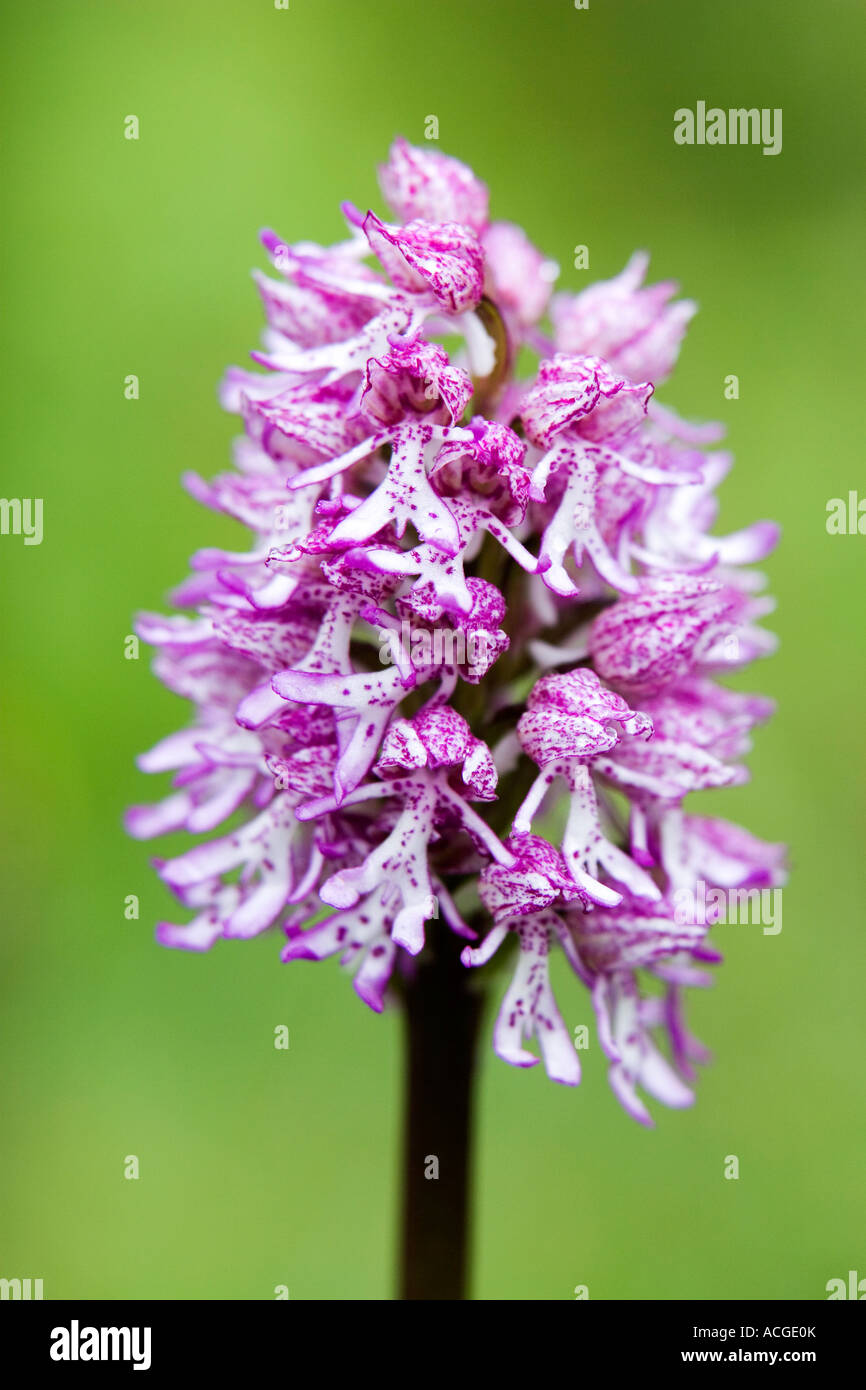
{"type": "Point", "coordinates": [261, 1167]}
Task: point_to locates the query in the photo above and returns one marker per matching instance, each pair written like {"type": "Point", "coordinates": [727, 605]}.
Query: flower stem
{"type": "Point", "coordinates": [443, 1012]}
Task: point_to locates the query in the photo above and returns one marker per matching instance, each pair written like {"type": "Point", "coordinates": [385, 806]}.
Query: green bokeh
{"type": "Point", "coordinates": [261, 1167]}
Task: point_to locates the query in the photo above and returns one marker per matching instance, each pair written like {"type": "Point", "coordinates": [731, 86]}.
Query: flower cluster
{"type": "Point", "coordinates": [468, 667]}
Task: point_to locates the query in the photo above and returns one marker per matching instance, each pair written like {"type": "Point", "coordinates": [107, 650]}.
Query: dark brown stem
{"type": "Point", "coordinates": [443, 1012]}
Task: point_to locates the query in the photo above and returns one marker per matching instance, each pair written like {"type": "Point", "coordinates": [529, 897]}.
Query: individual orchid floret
{"type": "Point", "coordinates": [218, 766]}
{"type": "Point", "coordinates": [439, 737]}
{"type": "Point", "coordinates": [678, 518]}
{"type": "Point", "coordinates": [432, 634]}
{"type": "Point", "coordinates": [571, 720]}
{"type": "Point", "coordinates": [216, 769]}
{"type": "Point", "coordinates": [302, 423]}
{"type": "Point", "coordinates": [229, 578]}
{"type": "Point", "coordinates": [636, 329]}
{"type": "Point", "coordinates": [484, 464]}
{"type": "Point", "coordinates": [416, 760]}
{"type": "Point", "coordinates": [675, 626]}
{"type": "Point", "coordinates": [363, 940]}
{"type": "Point", "coordinates": [706, 715]}
{"type": "Point", "coordinates": [585, 417]}
{"type": "Point", "coordinates": [325, 295]}
{"type": "Point", "coordinates": [603, 497]}
{"type": "Point", "coordinates": [409, 384]}
{"type": "Point", "coordinates": [700, 849]}
{"type": "Point", "coordinates": [399, 865]}
{"type": "Point", "coordinates": [698, 731]}
{"type": "Point", "coordinates": [583, 397]}
{"type": "Point", "coordinates": [519, 897]}
{"type": "Point", "coordinates": [639, 935]}
{"type": "Point", "coordinates": [573, 715]}
{"type": "Point", "coordinates": [624, 1023]}
{"type": "Point", "coordinates": [444, 260]}
{"type": "Point", "coordinates": [327, 654]}
{"type": "Point", "coordinates": [536, 880]}
{"type": "Point", "coordinates": [612, 946]}
{"type": "Point", "coordinates": [529, 1008]}
{"type": "Point", "coordinates": [273, 853]}
{"type": "Point", "coordinates": [424, 185]}
{"type": "Point", "coordinates": [413, 378]}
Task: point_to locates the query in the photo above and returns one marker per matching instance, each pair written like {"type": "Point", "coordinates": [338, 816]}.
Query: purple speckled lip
{"type": "Point", "coordinates": [469, 666]}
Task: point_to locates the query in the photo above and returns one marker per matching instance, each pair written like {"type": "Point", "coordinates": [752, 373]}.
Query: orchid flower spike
{"type": "Point", "coordinates": [469, 665]}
